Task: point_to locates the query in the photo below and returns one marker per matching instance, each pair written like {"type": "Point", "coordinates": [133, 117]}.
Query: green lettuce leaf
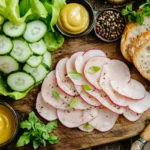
{"type": "Point", "coordinates": [53, 8]}
{"type": "Point", "coordinates": [53, 40]}
{"type": "Point", "coordinates": [15, 95]}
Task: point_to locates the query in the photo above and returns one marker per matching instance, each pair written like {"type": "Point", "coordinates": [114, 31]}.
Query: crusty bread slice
{"type": "Point", "coordinates": [141, 59]}
{"type": "Point", "coordinates": [139, 41]}
{"type": "Point", "coordinates": [132, 31]}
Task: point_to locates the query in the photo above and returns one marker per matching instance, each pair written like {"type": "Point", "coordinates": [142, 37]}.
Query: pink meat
{"type": "Point", "coordinates": [82, 59]}
{"type": "Point", "coordinates": [62, 80]}
{"type": "Point", "coordinates": [82, 128]}
{"type": "Point", "coordinates": [87, 97]}
{"type": "Point", "coordinates": [45, 110]}
{"type": "Point", "coordinates": [130, 115]}
{"type": "Point", "coordinates": [133, 89]}
{"type": "Point", "coordinates": [105, 119]}
{"type": "Point", "coordinates": [74, 118]}
{"type": "Point", "coordinates": [48, 87]}
{"type": "Point", "coordinates": [115, 70]}
{"type": "Point", "coordinates": [140, 106]}
{"type": "Point", "coordinates": [105, 101]}
{"type": "Point", "coordinates": [70, 66]}
{"type": "Point", "coordinates": [93, 78]}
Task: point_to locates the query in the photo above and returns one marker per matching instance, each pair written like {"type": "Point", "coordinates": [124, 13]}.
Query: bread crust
{"type": "Point", "coordinates": [124, 41]}
{"type": "Point", "coordinates": [139, 41]}
{"type": "Point", "coordinates": [142, 58]}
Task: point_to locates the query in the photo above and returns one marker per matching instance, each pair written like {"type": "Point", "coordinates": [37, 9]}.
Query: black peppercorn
{"type": "Point", "coordinates": [110, 23]}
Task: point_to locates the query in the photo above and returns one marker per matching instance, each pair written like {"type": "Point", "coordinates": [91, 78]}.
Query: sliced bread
{"type": "Point", "coordinates": [141, 59]}
{"type": "Point", "coordinates": [132, 31]}
{"type": "Point", "coordinates": [139, 41]}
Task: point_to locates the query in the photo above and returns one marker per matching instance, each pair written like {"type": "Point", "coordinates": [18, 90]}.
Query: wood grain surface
{"type": "Point", "coordinates": [73, 139]}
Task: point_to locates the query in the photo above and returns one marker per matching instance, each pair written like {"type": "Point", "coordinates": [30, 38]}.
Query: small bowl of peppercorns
{"type": "Point", "coordinates": [109, 25]}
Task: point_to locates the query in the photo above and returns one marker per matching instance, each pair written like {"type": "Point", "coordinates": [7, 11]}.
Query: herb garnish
{"type": "Point", "coordinates": [86, 87]}
{"type": "Point", "coordinates": [56, 95]}
{"type": "Point", "coordinates": [74, 75]}
{"type": "Point", "coordinates": [37, 132]}
{"type": "Point", "coordinates": [73, 103]}
{"type": "Point", "coordinates": [137, 16]}
{"type": "Point", "coordinates": [93, 69]}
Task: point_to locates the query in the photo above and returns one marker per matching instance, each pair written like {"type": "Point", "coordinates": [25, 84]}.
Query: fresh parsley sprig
{"type": "Point", "coordinates": [137, 16]}
{"type": "Point", "coordinates": [37, 132]}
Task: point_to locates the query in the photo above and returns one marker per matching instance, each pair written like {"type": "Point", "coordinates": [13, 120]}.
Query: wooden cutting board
{"type": "Point", "coordinates": [73, 139]}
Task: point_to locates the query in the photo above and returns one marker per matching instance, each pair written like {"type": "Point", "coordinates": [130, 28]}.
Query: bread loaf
{"type": "Point", "coordinates": [139, 41]}
{"type": "Point", "coordinates": [141, 59]}
{"type": "Point", "coordinates": [131, 32]}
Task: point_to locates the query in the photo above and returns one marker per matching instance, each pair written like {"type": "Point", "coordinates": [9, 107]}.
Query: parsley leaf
{"type": "Point", "coordinates": [37, 132]}
{"type": "Point", "coordinates": [24, 139]}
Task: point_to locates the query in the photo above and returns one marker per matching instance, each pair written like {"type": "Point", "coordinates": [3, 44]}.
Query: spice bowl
{"type": "Point", "coordinates": [8, 124]}
{"type": "Point", "coordinates": [109, 24]}
{"type": "Point", "coordinates": [74, 24]}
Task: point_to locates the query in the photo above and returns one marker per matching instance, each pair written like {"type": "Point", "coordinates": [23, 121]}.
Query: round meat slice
{"type": "Point", "coordinates": [105, 119]}
{"type": "Point", "coordinates": [133, 89]}
{"type": "Point", "coordinates": [79, 103]}
{"type": "Point", "coordinates": [45, 110]}
{"type": "Point", "coordinates": [130, 115]}
{"type": "Point", "coordinates": [140, 106]}
{"type": "Point", "coordinates": [92, 70]}
{"type": "Point", "coordinates": [119, 72]}
{"type": "Point", "coordinates": [75, 118]}
{"type": "Point", "coordinates": [86, 128]}
{"type": "Point", "coordinates": [70, 66]}
{"type": "Point", "coordinates": [87, 97]}
{"type": "Point", "coordinates": [62, 80]}
{"type": "Point", "coordinates": [50, 92]}
{"type": "Point", "coordinates": [102, 97]}
{"type": "Point", "coordinates": [82, 59]}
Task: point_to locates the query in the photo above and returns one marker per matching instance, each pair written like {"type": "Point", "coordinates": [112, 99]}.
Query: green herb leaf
{"type": "Point", "coordinates": [86, 87]}
{"type": "Point", "coordinates": [24, 139]}
{"type": "Point", "coordinates": [87, 126]}
{"type": "Point", "coordinates": [33, 119]}
{"type": "Point", "coordinates": [36, 143]}
{"type": "Point", "coordinates": [53, 139]}
{"type": "Point", "coordinates": [73, 103]}
{"type": "Point", "coordinates": [139, 18]}
{"type": "Point", "coordinates": [131, 18]}
{"type": "Point", "coordinates": [124, 12]}
{"type": "Point", "coordinates": [52, 126]}
{"type": "Point", "coordinates": [129, 7]}
{"type": "Point", "coordinates": [56, 95]}
{"type": "Point", "coordinates": [25, 125]}
{"type": "Point", "coordinates": [74, 75]}
{"type": "Point", "coordinates": [93, 69]}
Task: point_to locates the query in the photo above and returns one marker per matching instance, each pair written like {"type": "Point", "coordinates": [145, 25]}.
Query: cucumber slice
{"type": "Point", "coordinates": [21, 51]}
{"type": "Point", "coordinates": [5, 45]}
{"type": "Point", "coordinates": [35, 31]}
{"type": "Point", "coordinates": [38, 48]}
{"type": "Point", "coordinates": [38, 73]}
{"type": "Point", "coordinates": [34, 61]}
{"type": "Point", "coordinates": [14, 30]}
{"type": "Point", "coordinates": [20, 81]}
{"type": "Point", "coordinates": [47, 59]}
{"type": "Point", "coordinates": [8, 64]}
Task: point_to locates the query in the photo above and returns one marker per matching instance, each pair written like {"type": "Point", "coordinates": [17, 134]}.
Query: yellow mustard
{"type": "Point", "coordinates": [7, 124]}
{"type": "Point", "coordinates": [74, 18]}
